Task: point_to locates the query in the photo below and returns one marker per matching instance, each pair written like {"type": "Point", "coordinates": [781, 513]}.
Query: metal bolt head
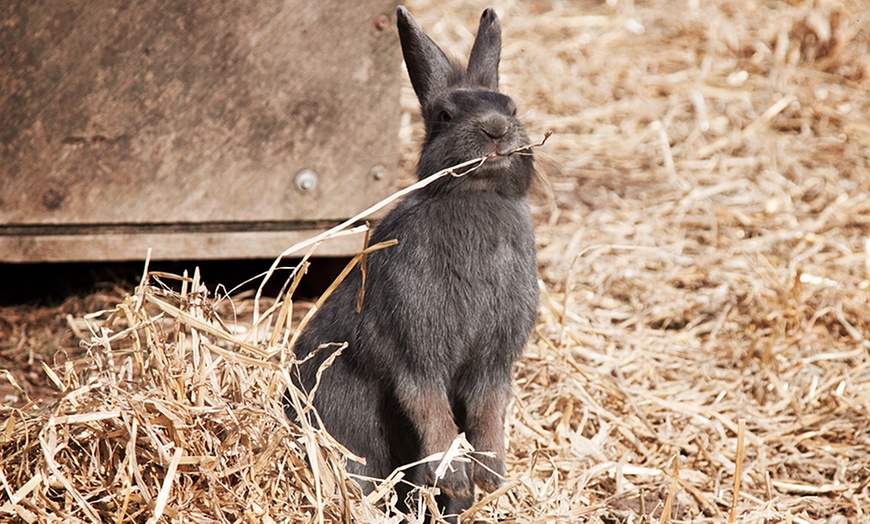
{"type": "Point", "coordinates": [378, 172]}
{"type": "Point", "coordinates": [381, 22]}
{"type": "Point", "coordinates": [306, 180]}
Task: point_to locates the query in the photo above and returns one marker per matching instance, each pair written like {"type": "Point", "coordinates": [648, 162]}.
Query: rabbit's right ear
{"type": "Point", "coordinates": [483, 62]}
{"type": "Point", "coordinates": [428, 66]}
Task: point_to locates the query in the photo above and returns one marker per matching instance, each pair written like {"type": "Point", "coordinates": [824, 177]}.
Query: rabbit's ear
{"type": "Point", "coordinates": [428, 66]}
{"type": "Point", "coordinates": [483, 62]}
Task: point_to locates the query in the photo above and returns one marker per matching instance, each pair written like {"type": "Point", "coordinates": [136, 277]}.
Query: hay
{"type": "Point", "coordinates": [701, 352]}
{"type": "Point", "coordinates": [175, 416]}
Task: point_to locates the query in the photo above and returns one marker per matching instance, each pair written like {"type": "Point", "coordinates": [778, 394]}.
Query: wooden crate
{"type": "Point", "coordinates": [203, 130]}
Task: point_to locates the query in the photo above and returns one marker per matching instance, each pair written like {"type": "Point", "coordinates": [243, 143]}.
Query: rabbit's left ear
{"type": "Point", "coordinates": [483, 62]}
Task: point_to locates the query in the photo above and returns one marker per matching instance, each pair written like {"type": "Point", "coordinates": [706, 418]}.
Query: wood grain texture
{"type": "Point", "coordinates": [177, 245]}
{"type": "Point", "coordinates": [165, 111]}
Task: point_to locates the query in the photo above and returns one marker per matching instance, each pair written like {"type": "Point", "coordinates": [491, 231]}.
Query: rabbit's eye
{"type": "Point", "coordinates": [444, 116]}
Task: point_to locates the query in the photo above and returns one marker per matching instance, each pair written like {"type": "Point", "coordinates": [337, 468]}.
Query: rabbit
{"type": "Point", "coordinates": [448, 309]}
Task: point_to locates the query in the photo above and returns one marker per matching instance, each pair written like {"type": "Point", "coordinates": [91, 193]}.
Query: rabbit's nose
{"type": "Point", "coordinates": [495, 126]}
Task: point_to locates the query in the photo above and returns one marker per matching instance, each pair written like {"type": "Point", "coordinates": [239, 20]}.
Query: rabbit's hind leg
{"type": "Point", "coordinates": [429, 412]}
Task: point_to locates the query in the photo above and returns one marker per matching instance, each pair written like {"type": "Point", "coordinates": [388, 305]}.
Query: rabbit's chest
{"type": "Point", "coordinates": [460, 272]}
{"type": "Point", "coordinates": [481, 294]}
{"type": "Point", "coordinates": [479, 267]}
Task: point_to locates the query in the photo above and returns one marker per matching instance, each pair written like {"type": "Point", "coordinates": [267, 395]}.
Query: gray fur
{"type": "Point", "coordinates": [449, 308]}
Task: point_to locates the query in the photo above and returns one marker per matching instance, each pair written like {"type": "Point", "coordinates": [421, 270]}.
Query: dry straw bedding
{"type": "Point", "coordinates": [701, 351]}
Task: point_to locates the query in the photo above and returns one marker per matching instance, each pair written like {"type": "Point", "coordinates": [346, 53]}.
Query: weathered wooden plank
{"type": "Point", "coordinates": [167, 246]}
{"type": "Point", "coordinates": [175, 111]}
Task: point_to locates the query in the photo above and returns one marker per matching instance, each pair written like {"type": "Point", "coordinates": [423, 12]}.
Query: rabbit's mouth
{"type": "Point", "coordinates": [499, 154]}
{"type": "Point", "coordinates": [497, 159]}
{"type": "Point", "coordinates": [501, 148]}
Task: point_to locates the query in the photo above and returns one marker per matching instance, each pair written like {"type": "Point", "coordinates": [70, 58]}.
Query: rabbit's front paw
{"type": "Point", "coordinates": [488, 473]}
{"type": "Point", "coordinates": [455, 482]}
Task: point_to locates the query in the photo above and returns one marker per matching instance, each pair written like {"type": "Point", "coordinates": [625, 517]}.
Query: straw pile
{"type": "Point", "coordinates": [701, 353]}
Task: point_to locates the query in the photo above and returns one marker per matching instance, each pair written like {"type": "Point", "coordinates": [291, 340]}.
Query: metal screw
{"type": "Point", "coordinates": [379, 172]}
{"type": "Point", "coordinates": [381, 22]}
{"type": "Point", "coordinates": [306, 180]}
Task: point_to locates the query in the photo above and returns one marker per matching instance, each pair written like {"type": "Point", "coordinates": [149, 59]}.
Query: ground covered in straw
{"type": "Point", "coordinates": [701, 352]}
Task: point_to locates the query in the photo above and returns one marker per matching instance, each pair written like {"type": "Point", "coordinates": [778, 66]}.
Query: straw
{"type": "Point", "coordinates": [701, 351]}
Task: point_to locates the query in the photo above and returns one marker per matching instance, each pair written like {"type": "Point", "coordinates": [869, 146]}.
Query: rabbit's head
{"type": "Point", "coordinates": [464, 114]}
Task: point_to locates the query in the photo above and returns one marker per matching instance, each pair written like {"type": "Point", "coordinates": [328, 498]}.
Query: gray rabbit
{"type": "Point", "coordinates": [449, 308]}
